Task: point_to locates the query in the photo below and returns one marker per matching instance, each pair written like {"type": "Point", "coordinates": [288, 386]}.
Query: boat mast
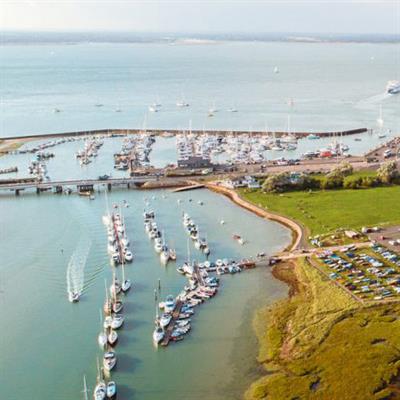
{"type": "Point", "coordinates": [85, 390]}
{"type": "Point", "coordinates": [105, 285]}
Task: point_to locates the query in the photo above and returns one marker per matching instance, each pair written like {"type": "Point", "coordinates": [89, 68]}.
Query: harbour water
{"type": "Point", "coordinates": [333, 86]}
{"type": "Point", "coordinates": [50, 343]}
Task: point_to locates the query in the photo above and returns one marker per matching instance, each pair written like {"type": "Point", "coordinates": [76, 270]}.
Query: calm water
{"type": "Point", "coordinates": [333, 86]}
{"type": "Point", "coordinates": [51, 344]}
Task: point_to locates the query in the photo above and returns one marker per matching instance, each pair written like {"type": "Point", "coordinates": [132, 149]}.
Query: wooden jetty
{"type": "Point", "coordinates": [171, 325]}
{"type": "Point", "coordinates": [191, 187]}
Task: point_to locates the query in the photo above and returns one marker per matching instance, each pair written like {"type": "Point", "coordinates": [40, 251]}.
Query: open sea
{"type": "Point", "coordinates": [49, 344]}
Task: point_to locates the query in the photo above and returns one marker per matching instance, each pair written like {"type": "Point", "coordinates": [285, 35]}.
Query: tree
{"type": "Point", "coordinates": [276, 183]}
{"type": "Point", "coordinates": [388, 172]}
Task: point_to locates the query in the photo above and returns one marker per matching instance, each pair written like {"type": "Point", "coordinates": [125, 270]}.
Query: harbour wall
{"type": "Point", "coordinates": [111, 132]}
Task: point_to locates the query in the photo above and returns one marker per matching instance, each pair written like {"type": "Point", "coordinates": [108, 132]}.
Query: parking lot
{"type": "Point", "coordinates": [370, 274]}
{"type": "Point", "coordinates": [388, 237]}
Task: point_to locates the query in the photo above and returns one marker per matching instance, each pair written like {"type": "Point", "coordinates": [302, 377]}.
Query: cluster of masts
{"type": "Point", "coordinates": [192, 230]}
{"type": "Point", "coordinates": [89, 151]}
{"type": "Point", "coordinates": [244, 148]}
{"type": "Point", "coordinates": [135, 149]}
{"type": "Point", "coordinates": [113, 320]}
{"type": "Point", "coordinates": [38, 170]}
{"type": "Point", "coordinates": [46, 145]}
{"type": "Point", "coordinates": [182, 103]}
{"type": "Point", "coordinates": [154, 233]}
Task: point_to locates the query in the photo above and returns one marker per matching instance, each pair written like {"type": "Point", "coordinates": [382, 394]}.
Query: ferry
{"type": "Point", "coordinates": [393, 87]}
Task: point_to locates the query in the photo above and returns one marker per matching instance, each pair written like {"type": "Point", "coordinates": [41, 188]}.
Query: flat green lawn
{"type": "Point", "coordinates": [326, 211]}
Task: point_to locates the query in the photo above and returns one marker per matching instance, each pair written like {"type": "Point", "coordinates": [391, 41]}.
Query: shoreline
{"type": "Point", "coordinates": [299, 233]}
{"type": "Point", "coordinates": [296, 334]}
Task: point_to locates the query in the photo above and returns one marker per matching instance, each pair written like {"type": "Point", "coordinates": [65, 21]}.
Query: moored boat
{"type": "Point", "coordinates": [109, 360]}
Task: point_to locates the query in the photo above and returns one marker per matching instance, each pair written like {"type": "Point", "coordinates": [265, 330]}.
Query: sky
{"type": "Point", "coordinates": [206, 16]}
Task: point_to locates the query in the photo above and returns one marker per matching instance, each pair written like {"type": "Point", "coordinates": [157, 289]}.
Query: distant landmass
{"type": "Point", "coordinates": [11, 37]}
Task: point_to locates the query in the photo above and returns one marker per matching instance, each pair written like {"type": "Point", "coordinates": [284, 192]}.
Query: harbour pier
{"type": "Point", "coordinates": [170, 327]}
{"type": "Point", "coordinates": [172, 132]}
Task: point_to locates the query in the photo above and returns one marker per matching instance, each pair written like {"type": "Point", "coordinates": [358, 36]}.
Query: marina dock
{"type": "Point", "coordinates": [170, 327]}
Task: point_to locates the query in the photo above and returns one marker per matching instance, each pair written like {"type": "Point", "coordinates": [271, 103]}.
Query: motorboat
{"type": "Point", "coordinates": [393, 87]}
{"type": "Point", "coordinates": [117, 321]}
{"type": "Point", "coordinates": [73, 297]}
{"type": "Point", "coordinates": [169, 304]}
{"type": "Point", "coordinates": [111, 390]}
{"type": "Point", "coordinates": [128, 256]}
{"type": "Point", "coordinates": [117, 306]}
{"type": "Point", "coordinates": [112, 337]}
{"type": "Point", "coordinates": [239, 239]}
{"type": "Point", "coordinates": [158, 335]}
{"type": "Point", "coordinates": [109, 360]}
{"type": "Point", "coordinates": [126, 285]}
{"type": "Point", "coordinates": [158, 247]}
{"type": "Point", "coordinates": [172, 254]}
{"type": "Point", "coordinates": [164, 256]}
{"type": "Point", "coordinates": [100, 391]}
{"type": "Point", "coordinates": [165, 319]}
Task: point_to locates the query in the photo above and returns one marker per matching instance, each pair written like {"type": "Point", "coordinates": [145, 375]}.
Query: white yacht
{"type": "Point", "coordinates": [117, 321]}
{"type": "Point", "coordinates": [393, 87]}
{"type": "Point", "coordinates": [165, 320]}
{"type": "Point", "coordinates": [182, 103]}
{"type": "Point", "coordinates": [152, 108]}
{"type": "Point", "coordinates": [128, 256]}
{"type": "Point", "coordinates": [169, 304]}
{"type": "Point", "coordinates": [112, 337]}
{"type": "Point", "coordinates": [73, 297]}
{"type": "Point", "coordinates": [109, 360]}
{"type": "Point", "coordinates": [100, 391]}
{"type": "Point", "coordinates": [158, 335]}
{"type": "Point", "coordinates": [111, 390]}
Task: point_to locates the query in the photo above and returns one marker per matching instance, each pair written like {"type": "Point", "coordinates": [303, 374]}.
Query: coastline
{"type": "Point", "coordinates": [316, 327]}
{"type": "Point", "coordinates": [299, 233]}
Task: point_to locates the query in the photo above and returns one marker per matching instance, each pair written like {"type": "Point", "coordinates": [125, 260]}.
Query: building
{"type": "Point", "coordinates": [194, 162]}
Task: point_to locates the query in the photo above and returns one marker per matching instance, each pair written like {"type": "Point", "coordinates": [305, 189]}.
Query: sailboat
{"type": "Point", "coordinates": [213, 109]}
{"type": "Point", "coordinates": [126, 283]}
{"type": "Point", "coordinates": [158, 333]}
{"type": "Point", "coordinates": [112, 337]}
{"type": "Point", "coordinates": [182, 102]}
{"type": "Point", "coordinates": [115, 287]}
{"type": "Point", "coordinates": [102, 338]}
{"type": "Point", "coordinates": [100, 390]}
{"type": "Point", "coordinates": [107, 308]}
{"type": "Point", "coordinates": [164, 255]}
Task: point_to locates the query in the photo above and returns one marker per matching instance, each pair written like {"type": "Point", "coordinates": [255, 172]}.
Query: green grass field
{"type": "Point", "coordinates": [321, 344]}
{"type": "Point", "coordinates": [325, 211]}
